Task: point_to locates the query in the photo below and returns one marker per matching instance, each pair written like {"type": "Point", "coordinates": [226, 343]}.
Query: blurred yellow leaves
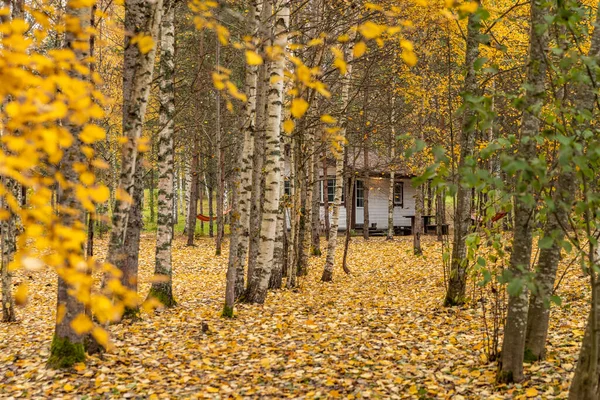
{"type": "Point", "coordinates": [144, 42]}
{"type": "Point", "coordinates": [298, 107]}
{"type": "Point", "coordinates": [82, 324]}
{"type": "Point", "coordinates": [20, 294]}
{"type": "Point", "coordinates": [359, 49]}
{"type": "Point", "coordinates": [253, 58]}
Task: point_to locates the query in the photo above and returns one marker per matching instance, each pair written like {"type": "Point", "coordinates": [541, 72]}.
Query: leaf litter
{"type": "Point", "coordinates": [380, 332]}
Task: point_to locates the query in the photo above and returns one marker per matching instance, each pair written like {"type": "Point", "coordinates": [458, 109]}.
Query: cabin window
{"type": "Point", "coordinates": [399, 194]}
{"type": "Point", "coordinates": [360, 194]}
{"type": "Point", "coordinates": [286, 187]}
{"type": "Point", "coordinates": [331, 191]}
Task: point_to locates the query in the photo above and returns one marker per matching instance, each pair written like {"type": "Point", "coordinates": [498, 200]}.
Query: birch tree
{"type": "Point", "coordinates": [163, 270]}
{"type": "Point", "coordinates": [142, 19]}
{"type": "Point", "coordinates": [339, 173]}
{"type": "Point", "coordinates": [248, 129]}
{"type": "Point", "coordinates": [67, 343]}
{"type": "Point", "coordinates": [259, 281]}
{"type": "Point", "coordinates": [513, 346]}
{"type": "Point", "coordinates": [455, 294]}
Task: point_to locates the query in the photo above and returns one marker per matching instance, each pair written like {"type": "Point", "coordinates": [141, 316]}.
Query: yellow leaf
{"type": "Point", "coordinates": [211, 389]}
{"type": "Point", "coordinates": [413, 389]}
{"type": "Point", "coordinates": [288, 126]}
{"type": "Point", "coordinates": [87, 178]}
{"type": "Point", "coordinates": [531, 392]}
{"type": "Point", "coordinates": [359, 49]}
{"type": "Point", "coordinates": [328, 119]}
{"type": "Point", "coordinates": [371, 30]}
{"type": "Point", "coordinates": [101, 336]}
{"type": "Point", "coordinates": [82, 324]}
{"type": "Point", "coordinates": [68, 387]}
{"type": "Point", "coordinates": [144, 42]}
{"type": "Point", "coordinates": [341, 65]}
{"type": "Point", "coordinates": [21, 294]}
{"type": "Point", "coordinates": [91, 134]}
{"type": "Point", "coordinates": [252, 58]}
{"type": "Point", "coordinates": [298, 107]}
{"type": "Point", "coordinates": [99, 194]}
{"type": "Point", "coordinates": [265, 363]}
{"type": "Point", "coordinates": [343, 38]}
{"type": "Point", "coordinates": [469, 7]}
{"type": "Point", "coordinates": [409, 58]}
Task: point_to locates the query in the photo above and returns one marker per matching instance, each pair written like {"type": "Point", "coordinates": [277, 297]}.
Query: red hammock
{"type": "Point", "coordinates": [205, 218]}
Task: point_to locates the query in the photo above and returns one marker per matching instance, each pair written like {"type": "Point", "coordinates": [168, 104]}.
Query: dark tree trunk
{"type": "Point", "coordinates": [456, 294]}
{"type": "Point", "coordinates": [513, 345]}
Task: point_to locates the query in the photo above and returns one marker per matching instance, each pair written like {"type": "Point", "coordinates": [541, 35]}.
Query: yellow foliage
{"type": "Point", "coordinates": [82, 324]}
{"type": "Point", "coordinates": [145, 43]}
{"type": "Point", "coordinates": [253, 58]}
{"type": "Point", "coordinates": [359, 49]}
{"type": "Point", "coordinates": [299, 107]}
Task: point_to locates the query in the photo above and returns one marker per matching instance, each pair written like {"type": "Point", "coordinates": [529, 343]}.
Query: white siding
{"type": "Point", "coordinates": [378, 205]}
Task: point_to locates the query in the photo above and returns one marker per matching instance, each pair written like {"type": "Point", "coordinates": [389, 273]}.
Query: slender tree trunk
{"type": "Point", "coordinates": [259, 281]}
{"type": "Point", "coordinates": [151, 196]}
{"type": "Point", "coordinates": [538, 316]}
{"type": "Point", "coordinates": [67, 344]}
{"type": "Point", "coordinates": [586, 381]}
{"type": "Point", "coordinates": [129, 279]}
{"type": "Point", "coordinates": [90, 235]}
{"type": "Point", "coordinates": [211, 213]}
{"type": "Point", "coordinates": [349, 209]}
{"type": "Point", "coordinates": [220, 162]}
{"type": "Point", "coordinates": [248, 130]}
{"type": "Point", "coordinates": [258, 160]}
{"type": "Point", "coordinates": [194, 191]}
{"type": "Point", "coordinates": [141, 17]}
{"type": "Point", "coordinates": [276, 279]}
{"type": "Point", "coordinates": [439, 214]}
{"type": "Point", "coordinates": [295, 201]}
{"type": "Point", "coordinates": [339, 174]}
{"type": "Point", "coordinates": [418, 221]}
{"type": "Point", "coordinates": [8, 246]}
{"type": "Point", "coordinates": [366, 183]}
{"type": "Point", "coordinates": [162, 289]}
{"type": "Point", "coordinates": [315, 220]}
{"type": "Point", "coordinates": [392, 183]}
{"type": "Point", "coordinates": [302, 186]}
{"type": "Point", "coordinates": [513, 346]}
{"type": "Point", "coordinates": [234, 237]}
{"type": "Point", "coordinates": [390, 232]}
{"type": "Point", "coordinates": [326, 196]}
{"type": "Point", "coordinates": [462, 216]}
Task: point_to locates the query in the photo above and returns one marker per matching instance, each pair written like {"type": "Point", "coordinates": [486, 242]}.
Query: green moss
{"type": "Point", "coordinates": [529, 357]}
{"type": "Point", "coordinates": [166, 299]}
{"type": "Point", "coordinates": [227, 312]}
{"type": "Point", "coordinates": [316, 252]}
{"type": "Point", "coordinates": [504, 377]}
{"type": "Point", "coordinates": [131, 313]}
{"type": "Point", "coordinates": [64, 353]}
{"type": "Point", "coordinates": [453, 302]}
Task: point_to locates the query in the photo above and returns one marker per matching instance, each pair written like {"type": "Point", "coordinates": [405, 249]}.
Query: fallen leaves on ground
{"type": "Point", "coordinates": [378, 333]}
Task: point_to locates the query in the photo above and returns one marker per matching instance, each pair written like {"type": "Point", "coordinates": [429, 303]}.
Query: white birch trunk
{"type": "Point", "coordinates": [339, 175]}
{"type": "Point", "coordinates": [162, 289]}
{"type": "Point", "coordinates": [259, 282]}
{"type": "Point", "coordinates": [141, 17]}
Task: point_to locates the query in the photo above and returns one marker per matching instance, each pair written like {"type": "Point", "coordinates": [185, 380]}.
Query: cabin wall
{"type": "Point", "coordinates": [378, 206]}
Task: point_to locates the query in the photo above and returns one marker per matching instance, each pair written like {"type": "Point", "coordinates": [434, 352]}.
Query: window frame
{"type": "Point", "coordinates": [359, 187]}
{"type": "Point", "coordinates": [399, 200]}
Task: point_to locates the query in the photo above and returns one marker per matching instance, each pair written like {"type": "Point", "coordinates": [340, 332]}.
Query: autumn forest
{"type": "Point", "coordinates": [300, 199]}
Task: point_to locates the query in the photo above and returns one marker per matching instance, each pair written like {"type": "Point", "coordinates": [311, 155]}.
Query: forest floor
{"type": "Point", "coordinates": [380, 332]}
